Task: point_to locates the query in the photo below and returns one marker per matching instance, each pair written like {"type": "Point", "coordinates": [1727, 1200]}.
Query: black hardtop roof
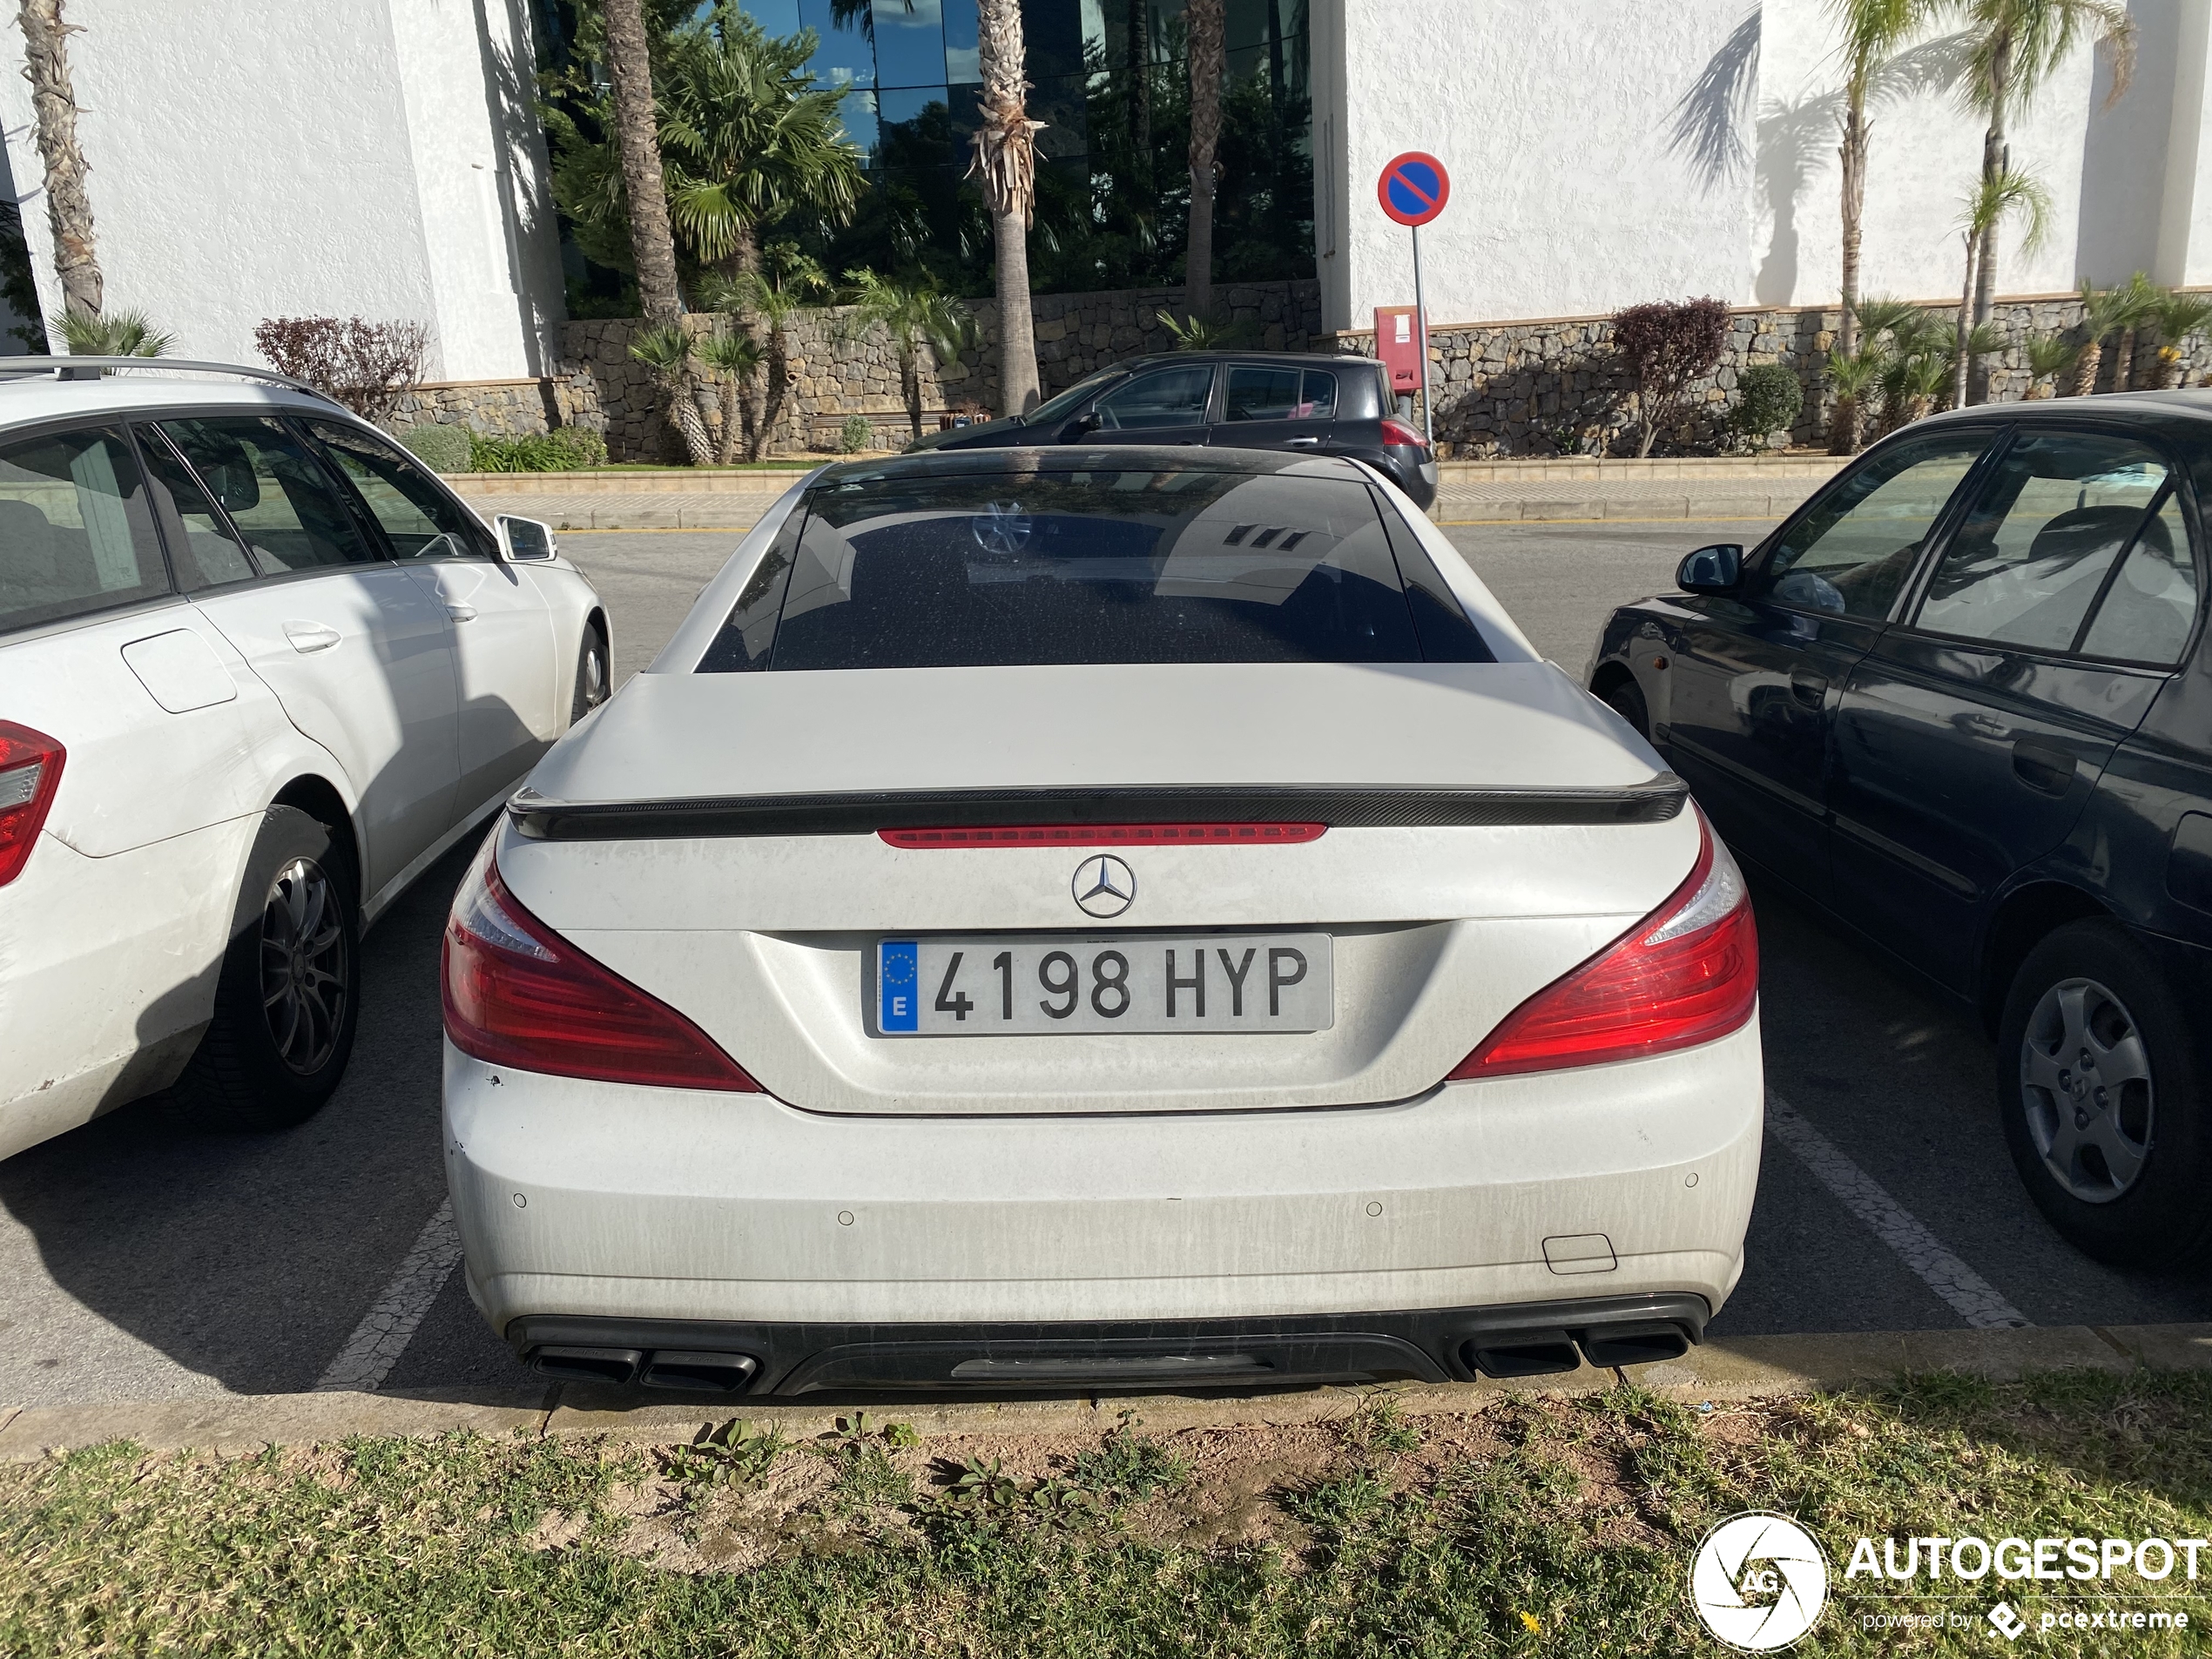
{"type": "Point", "coordinates": [1077, 457]}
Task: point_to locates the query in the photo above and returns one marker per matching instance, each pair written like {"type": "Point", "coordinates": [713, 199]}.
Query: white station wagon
{"type": "Point", "coordinates": [1085, 918]}
{"type": "Point", "coordinates": [257, 670]}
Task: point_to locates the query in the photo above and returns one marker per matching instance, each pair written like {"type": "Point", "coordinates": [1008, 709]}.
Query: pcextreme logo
{"type": "Point", "coordinates": [1759, 1581]}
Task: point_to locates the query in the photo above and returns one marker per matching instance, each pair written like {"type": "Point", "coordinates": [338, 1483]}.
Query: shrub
{"type": "Point", "coordinates": [1665, 347]}
{"type": "Point", "coordinates": [1768, 399]}
{"type": "Point", "coordinates": [581, 447]}
{"type": "Point", "coordinates": [856, 435]}
{"type": "Point", "coordinates": [368, 366]}
{"type": "Point", "coordinates": [441, 449]}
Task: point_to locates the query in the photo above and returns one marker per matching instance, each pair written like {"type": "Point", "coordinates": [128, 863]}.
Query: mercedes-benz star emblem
{"type": "Point", "coordinates": [1103, 886]}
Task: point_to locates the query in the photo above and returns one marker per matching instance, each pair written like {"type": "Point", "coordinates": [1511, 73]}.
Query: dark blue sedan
{"type": "Point", "coordinates": [1961, 700]}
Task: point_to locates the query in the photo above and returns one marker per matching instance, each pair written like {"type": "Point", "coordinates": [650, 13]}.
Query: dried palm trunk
{"type": "Point", "coordinates": [1843, 426]}
{"type": "Point", "coordinates": [653, 246]}
{"type": "Point", "coordinates": [684, 413]}
{"type": "Point", "coordinates": [775, 376]}
{"type": "Point", "coordinates": [732, 427]}
{"type": "Point", "coordinates": [2123, 365]}
{"type": "Point", "coordinates": [2085, 372]}
{"type": "Point", "coordinates": [1006, 168]}
{"type": "Point", "coordinates": [1204, 18]}
{"type": "Point", "coordinates": [69, 209]}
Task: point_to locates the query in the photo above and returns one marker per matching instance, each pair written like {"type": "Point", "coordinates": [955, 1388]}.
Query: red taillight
{"type": "Point", "coordinates": [516, 994]}
{"type": "Point", "coordinates": [30, 771]}
{"type": "Point", "coordinates": [1685, 974]}
{"type": "Point", "coordinates": [1397, 432]}
{"type": "Point", "coordinates": [1107, 835]}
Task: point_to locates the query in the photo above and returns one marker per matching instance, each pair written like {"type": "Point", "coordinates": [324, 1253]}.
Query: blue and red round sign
{"type": "Point", "coordinates": [1414, 188]}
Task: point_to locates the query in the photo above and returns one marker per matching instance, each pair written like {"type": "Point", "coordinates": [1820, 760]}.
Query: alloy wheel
{"type": "Point", "coordinates": [2085, 1088]}
{"type": "Point", "coordinates": [306, 974]}
{"type": "Point", "coordinates": [595, 673]}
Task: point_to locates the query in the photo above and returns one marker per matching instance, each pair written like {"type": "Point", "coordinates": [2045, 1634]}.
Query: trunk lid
{"type": "Point", "coordinates": [713, 839]}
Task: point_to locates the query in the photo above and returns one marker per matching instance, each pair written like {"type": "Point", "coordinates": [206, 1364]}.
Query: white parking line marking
{"type": "Point", "coordinates": [382, 1337]}
{"type": "Point", "coordinates": [1977, 1300]}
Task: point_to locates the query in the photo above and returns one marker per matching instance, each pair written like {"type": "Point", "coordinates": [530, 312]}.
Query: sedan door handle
{"type": "Point", "coordinates": [461, 613]}
{"type": "Point", "coordinates": [1808, 689]}
{"type": "Point", "coordinates": [2043, 767]}
{"type": "Point", "coordinates": [1303, 442]}
{"type": "Point", "coordinates": [307, 637]}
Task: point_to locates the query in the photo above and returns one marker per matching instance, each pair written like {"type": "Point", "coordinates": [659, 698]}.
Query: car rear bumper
{"type": "Point", "coordinates": [580, 1200]}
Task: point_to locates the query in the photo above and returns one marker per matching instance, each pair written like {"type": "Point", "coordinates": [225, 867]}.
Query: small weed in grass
{"type": "Point", "coordinates": [1379, 1427]}
{"type": "Point", "coordinates": [1130, 1466]}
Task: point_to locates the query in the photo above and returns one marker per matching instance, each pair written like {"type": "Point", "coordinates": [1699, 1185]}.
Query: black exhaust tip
{"type": "Point", "coordinates": [1634, 1344]}
{"type": "Point", "coordinates": [617, 1366]}
{"type": "Point", "coordinates": [701, 1374]}
{"type": "Point", "coordinates": [1522, 1353]}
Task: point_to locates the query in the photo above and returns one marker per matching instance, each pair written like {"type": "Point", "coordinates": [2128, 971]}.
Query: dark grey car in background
{"type": "Point", "coordinates": [1304, 403]}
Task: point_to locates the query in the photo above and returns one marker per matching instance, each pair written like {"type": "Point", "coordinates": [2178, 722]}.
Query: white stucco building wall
{"type": "Point", "coordinates": [1610, 152]}
{"type": "Point", "coordinates": [377, 158]}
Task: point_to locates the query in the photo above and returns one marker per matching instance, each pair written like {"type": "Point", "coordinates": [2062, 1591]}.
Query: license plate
{"type": "Point", "coordinates": [1038, 985]}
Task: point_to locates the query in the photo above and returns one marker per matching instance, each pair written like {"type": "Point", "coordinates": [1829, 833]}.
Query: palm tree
{"type": "Point", "coordinates": [918, 318]}
{"type": "Point", "coordinates": [1873, 31]}
{"type": "Point", "coordinates": [1851, 376]}
{"type": "Point", "coordinates": [2102, 311]}
{"type": "Point", "coordinates": [110, 334]}
{"type": "Point", "coordinates": [771, 297]}
{"type": "Point", "coordinates": [1204, 19]}
{"type": "Point", "coordinates": [730, 358]}
{"type": "Point", "coordinates": [2016, 44]}
{"type": "Point", "coordinates": [747, 138]}
{"type": "Point", "coordinates": [2178, 316]}
{"type": "Point", "coordinates": [53, 102]}
{"type": "Point", "coordinates": [1006, 168]}
{"type": "Point", "coordinates": [667, 350]}
{"type": "Point", "coordinates": [653, 246]}
{"type": "Point", "coordinates": [1917, 355]}
{"type": "Point", "coordinates": [2140, 301]}
{"type": "Point", "coordinates": [1994, 197]}
{"type": "Point", "coordinates": [2048, 357]}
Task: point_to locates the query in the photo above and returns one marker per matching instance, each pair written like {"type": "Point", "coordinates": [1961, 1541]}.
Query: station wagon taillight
{"type": "Point", "coordinates": [1398, 433]}
{"type": "Point", "coordinates": [517, 994]}
{"type": "Point", "coordinates": [1686, 974]}
{"type": "Point", "coordinates": [30, 771]}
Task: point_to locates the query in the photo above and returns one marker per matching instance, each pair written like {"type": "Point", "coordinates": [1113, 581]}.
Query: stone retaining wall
{"type": "Point", "coordinates": [839, 370]}
{"type": "Point", "coordinates": [501, 408]}
{"type": "Point", "coordinates": [1553, 386]}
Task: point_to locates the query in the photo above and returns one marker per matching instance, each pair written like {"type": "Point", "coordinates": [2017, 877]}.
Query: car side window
{"type": "Point", "coordinates": [76, 531]}
{"type": "Point", "coordinates": [203, 549]}
{"type": "Point", "coordinates": [274, 491]}
{"type": "Point", "coordinates": [1166, 397]}
{"type": "Point", "coordinates": [1261, 393]}
{"type": "Point", "coordinates": [1316, 396]}
{"type": "Point", "coordinates": [2048, 525]}
{"type": "Point", "coordinates": [1852, 552]}
{"type": "Point", "coordinates": [415, 517]}
{"type": "Point", "coordinates": [2150, 607]}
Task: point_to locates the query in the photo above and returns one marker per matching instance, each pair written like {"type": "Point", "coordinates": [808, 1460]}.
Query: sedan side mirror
{"type": "Point", "coordinates": [525, 541]}
{"type": "Point", "coordinates": [1082, 427]}
{"type": "Point", "coordinates": [1717, 569]}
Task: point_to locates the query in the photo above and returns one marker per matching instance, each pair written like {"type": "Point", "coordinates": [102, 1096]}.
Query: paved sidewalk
{"type": "Point", "coordinates": [1473, 493]}
{"type": "Point", "coordinates": [1745, 1368]}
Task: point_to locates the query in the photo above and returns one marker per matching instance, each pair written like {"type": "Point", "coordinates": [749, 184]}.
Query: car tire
{"type": "Point", "coordinates": [593, 680]}
{"type": "Point", "coordinates": [288, 998]}
{"type": "Point", "coordinates": [1625, 699]}
{"type": "Point", "coordinates": [2116, 1152]}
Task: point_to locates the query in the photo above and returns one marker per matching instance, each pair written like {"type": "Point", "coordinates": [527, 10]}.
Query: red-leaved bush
{"type": "Point", "coordinates": [368, 366]}
{"type": "Point", "coordinates": [1665, 347]}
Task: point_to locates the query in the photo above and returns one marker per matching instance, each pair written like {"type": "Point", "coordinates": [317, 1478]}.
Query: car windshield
{"type": "Point", "coordinates": [1137, 566]}
{"type": "Point", "coordinates": [1053, 408]}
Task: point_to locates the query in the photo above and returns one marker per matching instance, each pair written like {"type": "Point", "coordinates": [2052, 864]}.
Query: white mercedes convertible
{"type": "Point", "coordinates": [1092, 919]}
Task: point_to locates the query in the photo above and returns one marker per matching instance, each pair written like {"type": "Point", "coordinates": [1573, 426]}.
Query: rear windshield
{"type": "Point", "coordinates": [1007, 568]}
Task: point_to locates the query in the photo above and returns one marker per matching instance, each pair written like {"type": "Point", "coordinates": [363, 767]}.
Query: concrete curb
{"type": "Point", "coordinates": [1746, 1368]}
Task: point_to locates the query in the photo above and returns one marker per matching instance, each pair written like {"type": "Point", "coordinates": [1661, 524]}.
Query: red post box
{"type": "Point", "coordinates": [1401, 336]}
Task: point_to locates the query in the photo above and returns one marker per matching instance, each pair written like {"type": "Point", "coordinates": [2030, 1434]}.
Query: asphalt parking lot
{"type": "Point", "coordinates": [141, 1259]}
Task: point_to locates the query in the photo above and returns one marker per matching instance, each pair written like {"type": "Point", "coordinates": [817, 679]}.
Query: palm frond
{"type": "Point", "coordinates": [1204, 333]}
{"type": "Point", "coordinates": [2180, 315]}
{"type": "Point", "coordinates": [2051, 354]}
{"type": "Point", "coordinates": [2009, 193]}
{"type": "Point", "coordinates": [127, 333]}
{"type": "Point", "coordinates": [1855, 375]}
{"type": "Point", "coordinates": [667, 350]}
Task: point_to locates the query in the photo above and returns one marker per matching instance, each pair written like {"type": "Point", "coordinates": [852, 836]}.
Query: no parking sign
{"type": "Point", "coordinates": [1413, 190]}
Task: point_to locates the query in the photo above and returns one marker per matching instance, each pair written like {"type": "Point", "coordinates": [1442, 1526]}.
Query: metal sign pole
{"type": "Point", "coordinates": [1421, 330]}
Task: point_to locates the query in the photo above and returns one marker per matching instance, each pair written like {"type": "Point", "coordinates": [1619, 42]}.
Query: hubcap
{"type": "Point", "coordinates": [2086, 1087]}
{"type": "Point", "coordinates": [306, 977]}
{"type": "Point", "coordinates": [594, 676]}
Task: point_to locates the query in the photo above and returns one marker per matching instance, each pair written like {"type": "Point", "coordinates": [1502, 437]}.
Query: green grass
{"type": "Point", "coordinates": [1537, 1525]}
